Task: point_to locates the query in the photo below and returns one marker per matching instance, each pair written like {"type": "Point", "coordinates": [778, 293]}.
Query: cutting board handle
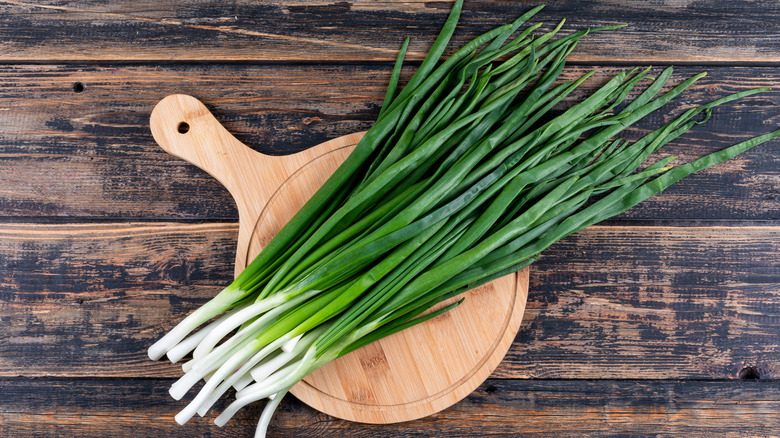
{"type": "Point", "coordinates": [184, 127]}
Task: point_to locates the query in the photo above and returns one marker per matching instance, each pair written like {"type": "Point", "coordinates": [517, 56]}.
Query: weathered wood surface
{"type": "Point", "coordinates": [669, 31]}
{"type": "Point", "coordinates": [106, 241]}
{"type": "Point", "coordinates": [91, 154]}
{"type": "Point", "coordinates": [609, 302]}
{"type": "Point", "coordinates": [130, 408]}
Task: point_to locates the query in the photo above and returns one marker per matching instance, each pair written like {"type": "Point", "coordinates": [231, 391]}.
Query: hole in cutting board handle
{"type": "Point", "coordinates": [183, 128]}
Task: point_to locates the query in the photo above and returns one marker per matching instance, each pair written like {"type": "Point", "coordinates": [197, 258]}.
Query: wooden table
{"type": "Point", "coordinates": [656, 322]}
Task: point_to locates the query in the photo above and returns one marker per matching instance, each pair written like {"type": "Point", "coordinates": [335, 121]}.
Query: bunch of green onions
{"type": "Point", "coordinates": [466, 177]}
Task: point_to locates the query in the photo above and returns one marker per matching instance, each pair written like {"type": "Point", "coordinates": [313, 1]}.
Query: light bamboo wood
{"type": "Point", "coordinates": [409, 375]}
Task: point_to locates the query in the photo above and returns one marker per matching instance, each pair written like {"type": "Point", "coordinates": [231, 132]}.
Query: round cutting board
{"type": "Point", "coordinates": [406, 376]}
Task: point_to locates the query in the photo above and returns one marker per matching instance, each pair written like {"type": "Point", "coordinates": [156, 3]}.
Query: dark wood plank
{"type": "Point", "coordinates": [95, 294]}
{"type": "Point", "coordinates": [125, 408]}
{"type": "Point", "coordinates": [652, 302]}
{"type": "Point", "coordinates": [90, 154]}
{"type": "Point", "coordinates": [608, 302]}
{"type": "Point", "coordinates": [122, 30]}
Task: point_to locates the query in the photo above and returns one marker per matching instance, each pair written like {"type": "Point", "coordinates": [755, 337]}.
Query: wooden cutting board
{"type": "Point", "coordinates": [409, 375]}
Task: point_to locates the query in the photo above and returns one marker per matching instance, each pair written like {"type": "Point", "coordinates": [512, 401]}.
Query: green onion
{"type": "Point", "coordinates": [467, 176]}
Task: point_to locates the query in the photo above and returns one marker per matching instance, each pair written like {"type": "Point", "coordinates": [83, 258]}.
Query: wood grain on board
{"type": "Point", "coordinates": [91, 154]}
{"type": "Point", "coordinates": [668, 31]}
{"type": "Point", "coordinates": [607, 302]}
{"type": "Point", "coordinates": [130, 408]}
